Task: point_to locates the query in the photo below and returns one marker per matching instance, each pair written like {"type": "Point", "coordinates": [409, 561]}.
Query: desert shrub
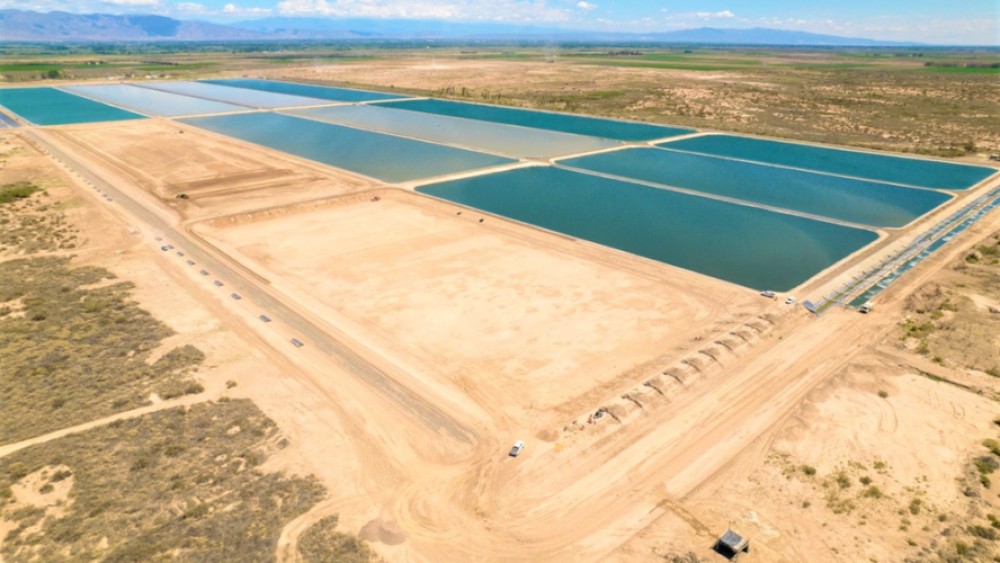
{"type": "Point", "coordinates": [983, 532]}
{"type": "Point", "coordinates": [873, 492]}
{"type": "Point", "coordinates": [808, 470]}
{"type": "Point", "coordinates": [90, 344]}
{"type": "Point", "coordinates": [986, 464]}
{"type": "Point", "coordinates": [322, 543]}
{"type": "Point", "coordinates": [170, 484]}
{"type": "Point", "coordinates": [843, 481]}
{"type": "Point", "coordinates": [992, 445]}
{"type": "Point", "coordinates": [18, 190]}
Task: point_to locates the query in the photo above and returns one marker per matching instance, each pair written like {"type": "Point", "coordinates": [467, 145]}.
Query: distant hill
{"type": "Point", "coordinates": [764, 36]}
{"type": "Point", "coordinates": [21, 25]}
{"type": "Point", "coordinates": [321, 28]}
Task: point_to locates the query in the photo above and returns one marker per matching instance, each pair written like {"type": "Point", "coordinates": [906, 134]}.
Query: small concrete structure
{"type": "Point", "coordinates": [731, 545]}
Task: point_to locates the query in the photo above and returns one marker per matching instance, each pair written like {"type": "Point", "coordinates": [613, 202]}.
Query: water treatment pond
{"type": "Point", "coordinates": [578, 124]}
{"type": "Point", "coordinates": [152, 102]}
{"type": "Point", "coordinates": [857, 201]}
{"type": "Point", "coordinates": [308, 90]}
{"type": "Point", "coordinates": [48, 106]}
{"type": "Point", "coordinates": [239, 96]}
{"type": "Point", "coordinates": [887, 168]}
{"type": "Point", "coordinates": [745, 245]}
{"type": "Point", "coordinates": [388, 158]}
{"type": "Point", "coordinates": [508, 140]}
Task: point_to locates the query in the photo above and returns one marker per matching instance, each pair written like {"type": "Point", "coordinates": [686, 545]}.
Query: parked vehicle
{"type": "Point", "coordinates": [516, 450]}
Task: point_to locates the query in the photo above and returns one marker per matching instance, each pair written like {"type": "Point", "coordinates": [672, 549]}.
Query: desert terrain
{"type": "Point", "coordinates": [659, 407]}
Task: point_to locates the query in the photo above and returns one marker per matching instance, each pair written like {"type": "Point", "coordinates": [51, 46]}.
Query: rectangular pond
{"type": "Point", "coordinates": [308, 90]}
{"type": "Point", "coordinates": [152, 102]}
{"type": "Point", "coordinates": [48, 106]}
{"type": "Point", "coordinates": [567, 123]}
{"type": "Point", "coordinates": [883, 167]}
{"type": "Point", "coordinates": [388, 158]}
{"type": "Point", "coordinates": [857, 201]}
{"type": "Point", "coordinates": [239, 96]}
{"type": "Point", "coordinates": [507, 140]}
{"type": "Point", "coordinates": [745, 245]}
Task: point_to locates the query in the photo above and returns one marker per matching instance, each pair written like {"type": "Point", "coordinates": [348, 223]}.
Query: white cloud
{"type": "Point", "coordinates": [145, 3]}
{"type": "Point", "coordinates": [585, 6]}
{"type": "Point", "coordinates": [190, 8]}
{"type": "Point", "coordinates": [231, 9]}
{"type": "Point", "coordinates": [457, 10]}
{"type": "Point", "coordinates": [724, 14]}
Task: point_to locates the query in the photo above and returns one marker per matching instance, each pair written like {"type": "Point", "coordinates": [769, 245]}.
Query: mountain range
{"type": "Point", "coordinates": [21, 25]}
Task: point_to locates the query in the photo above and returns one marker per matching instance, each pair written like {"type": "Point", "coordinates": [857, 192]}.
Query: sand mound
{"type": "Point", "coordinates": [377, 530]}
{"type": "Point", "coordinates": [547, 435]}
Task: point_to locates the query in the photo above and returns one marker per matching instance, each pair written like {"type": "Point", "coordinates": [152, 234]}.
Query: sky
{"type": "Point", "coordinates": [940, 21]}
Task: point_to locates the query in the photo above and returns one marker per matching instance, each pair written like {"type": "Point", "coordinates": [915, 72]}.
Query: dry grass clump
{"type": "Point", "coordinates": [17, 190]}
{"type": "Point", "coordinates": [29, 223]}
{"type": "Point", "coordinates": [72, 353]}
{"type": "Point", "coordinates": [955, 321]}
{"type": "Point", "coordinates": [322, 543]}
{"type": "Point", "coordinates": [181, 484]}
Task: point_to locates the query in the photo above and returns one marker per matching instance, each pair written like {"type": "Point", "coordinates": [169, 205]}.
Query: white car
{"type": "Point", "coordinates": [768, 293]}
{"type": "Point", "coordinates": [790, 300]}
{"type": "Point", "coordinates": [516, 450]}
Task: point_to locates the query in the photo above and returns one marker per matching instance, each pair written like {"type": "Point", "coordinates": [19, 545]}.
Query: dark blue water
{"type": "Point", "coordinates": [388, 158]}
{"type": "Point", "coordinates": [858, 201]}
{"type": "Point", "coordinates": [48, 106]}
{"type": "Point", "coordinates": [322, 92]}
{"type": "Point", "coordinates": [883, 167]}
{"type": "Point", "coordinates": [745, 245]}
{"type": "Point", "coordinates": [581, 125]}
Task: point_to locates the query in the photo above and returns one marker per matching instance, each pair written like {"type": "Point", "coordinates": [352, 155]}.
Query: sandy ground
{"type": "Point", "coordinates": [464, 336]}
{"type": "Point", "coordinates": [168, 159]}
{"type": "Point", "coordinates": [521, 328]}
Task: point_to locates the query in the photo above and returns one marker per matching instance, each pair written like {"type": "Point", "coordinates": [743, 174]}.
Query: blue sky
{"type": "Point", "coordinates": [940, 21]}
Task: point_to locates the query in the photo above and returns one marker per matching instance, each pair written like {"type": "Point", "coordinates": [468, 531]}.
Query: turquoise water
{"type": "Point", "coordinates": [238, 96]}
{"type": "Point", "coordinates": [48, 106]}
{"type": "Point", "coordinates": [858, 201]}
{"type": "Point", "coordinates": [152, 102]}
{"type": "Point", "coordinates": [388, 158]}
{"type": "Point", "coordinates": [745, 245]}
{"type": "Point", "coordinates": [886, 168]}
{"type": "Point", "coordinates": [322, 92]}
{"type": "Point", "coordinates": [578, 124]}
{"type": "Point", "coordinates": [497, 138]}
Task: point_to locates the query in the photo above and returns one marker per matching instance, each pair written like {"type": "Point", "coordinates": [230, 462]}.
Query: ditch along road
{"type": "Point", "coordinates": [308, 330]}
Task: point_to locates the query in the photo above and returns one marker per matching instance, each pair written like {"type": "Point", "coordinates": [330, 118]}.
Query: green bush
{"type": "Point", "coordinates": [19, 190]}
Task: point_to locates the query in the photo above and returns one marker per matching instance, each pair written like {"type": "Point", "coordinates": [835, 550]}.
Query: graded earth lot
{"type": "Point", "coordinates": [216, 174]}
{"type": "Point", "coordinates": [512, 316]}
